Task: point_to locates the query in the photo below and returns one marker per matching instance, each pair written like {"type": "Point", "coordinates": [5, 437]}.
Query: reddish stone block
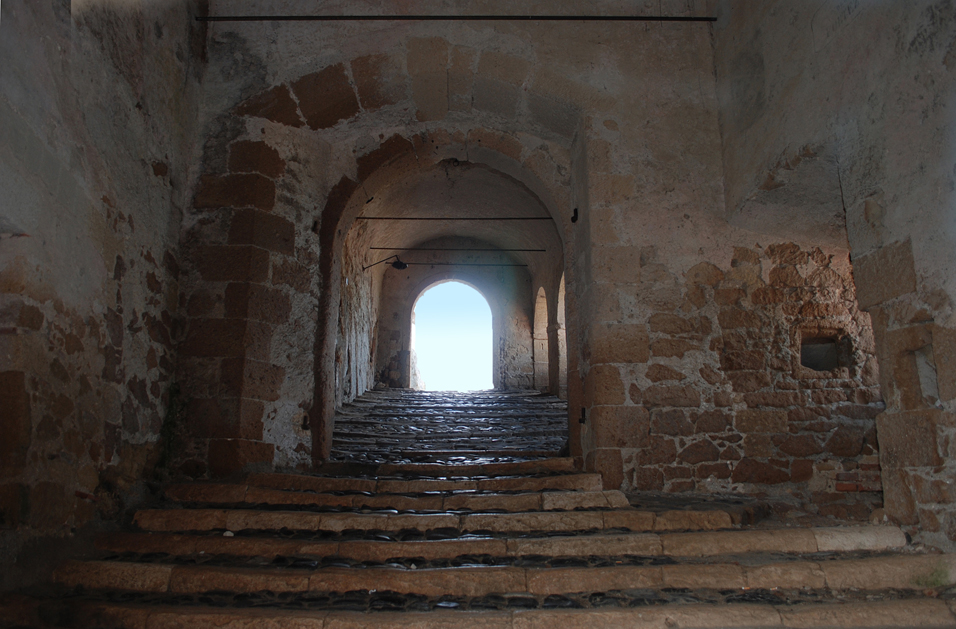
{"type": "Point", "coordinates": [380, 81]}
{"type": "Point", "coordinates": [774, 398]}
{"type": "Point", "coordinates": [704, 274]}
{"type": "Point", "coordinates": [711, 421]}
{"type": "Point", "coordinates": [603, 386]}
{"type": "Point", "coordinates": [673, 395]}
{"type": "Point", "coordinates": [30, 317]}
{"type": "Point", "coordinates": [226, 337]}
{"type": "Point", "coordinates": [251, 379]}
{"type": "Point", "coordinates": [274, 104]}
{"type": "Point", "coordinates": [242, 190]}
{"type": "Point", "coordinates": [246, 156]}
{"type": "Point", "coordinates": [226, 418]}
{"type": "Point", "coordinates": [884, 274]}
{"type": "Point", "coordinates": [257, 302]}
{"type": "Point", "coordinates": [671, 422]}
{"type": "Point", "coordinates": [786, 276]}
{"type": "Point", "coordinates": [15, 422]}
{"type": "Point", "coordinates": [252, 227]}
{"type": "Point", "coordinates": [671, 324]}
{"type": "Point", "coordinates": [661, 373]}
{"type": "Point", "coordinates": [233, 263]}
{"type": "Point", "coordinates": [761, 421]}
{"type": "Point", "coordinates": [699, 452]}
{"type": "Point", "coordinates": [608, 463]}
{"type": "Point", "coordinates": [619, 426]}
{"type": "Point", "coordinates": [757, 472]}
{"type": "Point", "coordinates": [801, 470]}
{"type": "Point", "coordinates": [230, 456]}
{"type": "Point", "coordinates": [672, 348]}
{"type": "Point", "coordinates": [786, 253]}
{"type": "Point", "coordinates": [648, 479]}
{"type": "Point", "coordinates": [846, 441]}
{"type": "Point", "coordinates": [730, 318]}
{"type": "Point", "coordinates": [898, 496]}
{"type": "Point", "coordinates": [387, 151]}
{"type": "Point", "coordinates": [747, 381]}
{"type": "Point", "coordinates": [743, 360]}
{"type": "Point", "coordinates": [659, 450]}
{"type": "Point", "coordinates": [325, 97]}
{"type": "Point", "coordinates": [619, 343]}
{"type": "Point", "coordinates": [800, 445]}
{"type": "Point", "coordinates": [768, 295]}
{"type": "Point", "coordinates": [717, 470]}
{"type": "Point", "coordinates": [910, 439]}
{"type": "Point", "coordinates": [728, 296]}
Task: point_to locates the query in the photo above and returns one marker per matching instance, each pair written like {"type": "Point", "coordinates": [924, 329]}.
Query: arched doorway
{"type": "Point", "coordinates": [451, 339]}
{"type": "Point", "coordinates": [541, 362]}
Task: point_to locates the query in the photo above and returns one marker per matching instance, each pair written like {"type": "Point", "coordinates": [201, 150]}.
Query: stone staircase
{"type": "Point", "coordinates": [529, 544]}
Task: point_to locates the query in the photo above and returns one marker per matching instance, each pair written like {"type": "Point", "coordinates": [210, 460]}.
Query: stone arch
{"type": "Point", "coordinates": [240, 244]}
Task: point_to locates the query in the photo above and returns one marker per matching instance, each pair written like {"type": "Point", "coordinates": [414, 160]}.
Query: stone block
{"type": "Point", "coordinates": [846, 441]}
{"type": "Point", "coordinates": [461, 78]}
{"type": "Point", "coordinates": [618, 265]}
{"type": "Point", "coordinates": [257, 302]}
{"type": "Point", "coordinates": [704, 274]}
{"type": "Point", "coordinates": [427, 63]}
{"type": "Point", "coordinates": [228, 418]}
{"type": "Point", "coordinates": [246, 156]}
{"type": "Point", "coordinates": [884, 274]}
{"type": "Point", "coordinates": [671, 324]}
{"type": "Point", "coordinates": [672, 348]}
{"type": "Point", "coordinates": [16, 424]}
{"type": "Point", "coordinates": [777, 399]}
{"type": "Point", "coordinates": [274, 104]}
{"type": "Point", "coordinates": [619, 343]}
{"type": "Point", "coordinates": [619, 426]}
{"type": "Point", "coordinates": [233, 263]}
{"type": "Point", "coordinates": [699, 452]}
{"type": "Point", "coordinates": [325, 97]}
{"type": "Point", "coordinates": [608, 463]}
{"type": "Point", "coordinates": [752, 471]}
{"type": "Point", "coordinates": [252, 227]}
{"type": "Point", "coordinates": [898, 496]}
{"type": "Point", "coordinates": [854, 538]}
{"type": "Point", "coordinates": [944, 354]}
{"type": "Point", "coordinates": [554, 116]}
{"type": "Point", "coordinates": [50, 505]}
{"type": "Point", "coordinates": [663, 373]}
{"type": "Point", "coordinates": [672, 422]}
{"type": "Point", "coordinates": [229, 456]}
{"type": "Point", "coordinates": [236, 190]}
{"type": "Point", "coordinates": [379, 80]}
{"type": "Point", "coordinates": [730, 318]}
{"type": "Point", "coordinates": [503, 67]}
{"type": "Point", "coordinates": [761, 421]}
{"type": "Point", "coordinates": [750, 360]}
{"type": "Point", "coordinates": [603, 386]}
{"type": "Point", "coordinates": [495, 97]}
{"type": "Point", "coordinates": [242, 377]}
{"type": "Point", "coordinates": [909, 439]}
{"type": "Point", "coordinates": [672, 395]}
{"type": "Point", "coordinates": [219, 338]}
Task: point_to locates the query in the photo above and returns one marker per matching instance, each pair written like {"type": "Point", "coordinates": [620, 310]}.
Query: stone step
{"type": "Point", "coordinates": [911, 612]}
{"type": "Point", "coordinates": [178, 520]}
{"type": "Point", "coordinates": [299, 482]}
{"type": "Point", "coordinates": [903, 572]}
{"type": "Point", "coordinates": [702, 544]}
{"type": "Point", "coordinates": [218, 493]}
{"type": "Point", "coordinates": [538, 466]}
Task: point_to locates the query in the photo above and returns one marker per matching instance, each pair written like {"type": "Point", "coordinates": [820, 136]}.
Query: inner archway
{"type": "Point", "coordinates": [451, 339]}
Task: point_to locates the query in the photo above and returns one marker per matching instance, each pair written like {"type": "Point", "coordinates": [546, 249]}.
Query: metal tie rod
{"type": "Point", "coordinates": [454, 218]}
{"type": "Point", "coordinates": [454, 18]}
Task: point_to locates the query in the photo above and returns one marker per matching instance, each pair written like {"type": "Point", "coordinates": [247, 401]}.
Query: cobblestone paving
{"type": "Point", "coordinates": [405, 426]}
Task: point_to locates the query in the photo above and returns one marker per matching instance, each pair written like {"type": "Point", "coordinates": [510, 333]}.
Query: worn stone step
{"type": "Point", "coordinates": [300, 482]}
{"type": "Point", "coordinates": [178, 520]}
{"type": "Point", "coordinates": [221, 493]}
{"type": "Point", "coordinates": [874, 573]}
{"type": "Point", "coordinates": [910, 612]}
{"type": "Point", "coordinates": [702, 544]}
{"type": "Point", "coordinates": [538, 466]}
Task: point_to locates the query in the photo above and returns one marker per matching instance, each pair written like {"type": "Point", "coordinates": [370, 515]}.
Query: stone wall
{"type": "Point", "coordinates": [97, 109]}
{"type": "Point", "coordinates": [879, 118]}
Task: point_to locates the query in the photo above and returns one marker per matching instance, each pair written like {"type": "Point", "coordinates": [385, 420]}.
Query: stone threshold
{"type": "Point", "coordinates": [915, 572]}
{"type": "Point", "coordinates": [178, 520]}
{"type": "Point", "coordinates": [698, 544]}
{"type": "Point", "coordinates": [220, 493]}
{"type": "Point", "coordinates": [568, 482]}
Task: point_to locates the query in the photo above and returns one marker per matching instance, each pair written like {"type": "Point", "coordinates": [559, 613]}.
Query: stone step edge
{"type": "Point", "coordinates": [538, 466]}
{"type": "Point", "coordinates": [700, 544]}
{"type": "Point", "coordinates": [180, 520]}
{"type": "Point", "coordinates": [903, 572]}
{"type": "Point", "coordinates": [225, 493]}
{"type": "Point", "coordinates": [301, 482]}
{"type": "Point", "coordinates": [922, 612]}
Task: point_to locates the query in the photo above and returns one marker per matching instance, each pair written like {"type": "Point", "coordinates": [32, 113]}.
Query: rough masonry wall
{"type": "Point", "coordinates": [882, 116]}
{"type": "Point", "coordinates": [97, 105]}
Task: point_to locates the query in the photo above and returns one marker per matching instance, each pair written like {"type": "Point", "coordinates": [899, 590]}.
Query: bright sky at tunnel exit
{"type": "Point", "coordinates": [453, 338]}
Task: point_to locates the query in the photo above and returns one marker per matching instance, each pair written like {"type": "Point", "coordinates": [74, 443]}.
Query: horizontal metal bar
{"type": "Point", "coordinates": [456, 249]}
{"type": "Point", "coordinates": [453, 18]}
{"type": "Point", "coordinates": [453, 218]}
{"type": "Point", "coordinates": [459, 264]}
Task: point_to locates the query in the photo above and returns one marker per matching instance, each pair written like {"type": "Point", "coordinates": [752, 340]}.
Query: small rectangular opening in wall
{"type": "Point", "coordinates": [820, 354]}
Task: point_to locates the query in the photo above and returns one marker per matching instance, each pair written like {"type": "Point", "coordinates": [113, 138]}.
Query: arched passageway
{"type": "Point", "coordinates": [451, 333]}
